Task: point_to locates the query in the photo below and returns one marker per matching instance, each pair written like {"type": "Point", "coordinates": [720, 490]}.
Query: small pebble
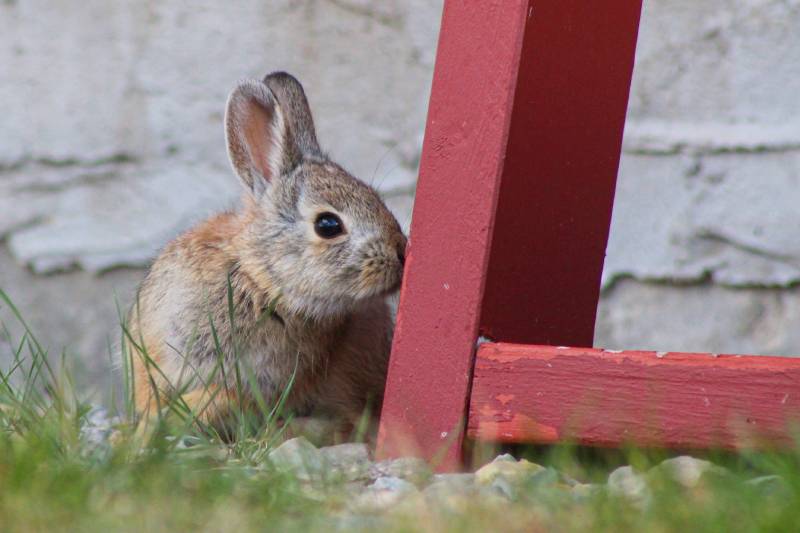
{"type": "Point", "coordinates": [512, 470]}
{"type": "Point", "coordinates": [394, 484]}
{"type": "Point", "coordinates": [627, 483]}
{"type": "Point", "coordinates": [686, 470]}
{"type": "Point", "coordinates": [384, 493]}
{"type": "Point", "coordinates": [349, 461]}
{"type": "Point", "coordinates": [369, 490]}
{"type": "Point", "coordinates": [510, 478]}
{"type": "Point", "coordinates": [301, 458]}
{"type": "Point", "coordinates": [455, 480]}
{"type": "Point", "coordinates": [585, 491]}
{"type": "Point", "coordinates": [411, 469]}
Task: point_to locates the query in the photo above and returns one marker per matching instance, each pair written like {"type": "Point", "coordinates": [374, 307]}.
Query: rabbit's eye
{"type": "Point", "coordinates": [328, 226]}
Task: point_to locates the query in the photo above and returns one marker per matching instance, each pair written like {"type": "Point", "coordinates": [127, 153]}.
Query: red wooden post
{"type": "Point", "coordinates": [556, 146]}
{"type": "Point", "coordinates": [524, 393]}
{"type": "Point", "coordinates": [437, 325]}
{"type": "Point", "coordinates": [560, 172]}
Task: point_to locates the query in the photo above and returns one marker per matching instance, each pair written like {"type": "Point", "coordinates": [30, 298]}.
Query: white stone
{"type": "Point", "coordinates": [300, 458]}
{"type": "Point", "coordinates": [394, 484]}
{"type": "Point", "coordinates": [412, 469]}
{"type": "Point", "coordinates": [455, 479]}
{"type": "Point", "coordinates": [627, 483]}
{"type": "Point", "coordinates": [384, 493]}
{"type": "Point", "coordinates": [585, 491]}
{"type": "Point", "coordinates": [687, 470]}
{"type": "Point", "coordinates": [506, 465]}
{"type": "Point", "coordinates": [350, 460]}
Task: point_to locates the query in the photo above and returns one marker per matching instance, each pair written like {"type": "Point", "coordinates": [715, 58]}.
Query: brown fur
{"type": "Point", "coordinates": [331, 327]}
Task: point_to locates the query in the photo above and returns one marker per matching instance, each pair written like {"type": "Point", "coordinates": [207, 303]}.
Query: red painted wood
{"type": "Point", "coordinates": [574, 63]}
{"type": "Point", "coordinates": [527, 393]}
{"type": "Point", "coordinates": [429, 374]}
{"type": "Point", "coordinates": [554, 208]}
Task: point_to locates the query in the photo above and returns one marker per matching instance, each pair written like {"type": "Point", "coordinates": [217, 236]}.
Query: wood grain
{"type": "Point", "coordinates": [462, 155]}
{"type": "Point", "coordinates": [528, 393]}
{"type": "Point", "coordinates": [531, 95]}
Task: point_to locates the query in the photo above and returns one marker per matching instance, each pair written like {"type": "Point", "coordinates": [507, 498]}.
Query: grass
{"type": "Point", "coordinates": [53, 477]}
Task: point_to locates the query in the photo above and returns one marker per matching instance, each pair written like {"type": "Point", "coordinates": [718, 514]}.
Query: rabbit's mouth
{"type": "Point", "coordinates": [393, 279]}
{"type": "Point", "coordinates": [386, 285]}
{"type": "Point", "coordinates": [380, 275]}
{"type": "Point", "coordinates": [393, 288]}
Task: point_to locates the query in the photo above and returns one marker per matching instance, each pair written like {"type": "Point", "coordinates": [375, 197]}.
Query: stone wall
{"type": "Point", "coordinates": [706, 228]}
{"type": "Point", "coordinates": [112, 143]}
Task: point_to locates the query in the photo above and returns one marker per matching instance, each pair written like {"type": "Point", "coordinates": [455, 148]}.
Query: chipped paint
{"type": "Point", "coordinates": [508, 429]}
{"type": "Point", "coordinates": [504, 398]}
{"type": "Point", "coordinates": [609, 399]}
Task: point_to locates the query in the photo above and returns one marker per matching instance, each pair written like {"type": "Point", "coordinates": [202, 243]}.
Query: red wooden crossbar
{"type": "Point", "coordinates": [545, 394]}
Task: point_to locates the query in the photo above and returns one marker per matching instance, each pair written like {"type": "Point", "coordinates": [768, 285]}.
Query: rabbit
{"type": "Point", "coordinates": [306, 262]}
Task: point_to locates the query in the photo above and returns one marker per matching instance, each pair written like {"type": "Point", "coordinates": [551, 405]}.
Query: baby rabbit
{"type": "Point", "coordinates": [307, 262]}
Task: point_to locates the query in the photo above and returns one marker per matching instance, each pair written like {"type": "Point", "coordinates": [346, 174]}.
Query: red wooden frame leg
{"type": "Point", "coordinates": [556, 146]}
{"type": "Point", "coordinates": [465, 138]}
{"type": "Point", "coordinates": [554, 210]}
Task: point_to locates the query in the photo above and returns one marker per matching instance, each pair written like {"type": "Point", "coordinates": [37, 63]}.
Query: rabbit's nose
{"type": "Point", "coordinates": [401, 252]}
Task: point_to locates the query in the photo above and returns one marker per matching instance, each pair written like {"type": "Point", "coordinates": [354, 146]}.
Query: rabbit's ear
{"type": "Point", "coordinates": [256, 130]}
{"type": "Point", "coordinates": [297, 113]}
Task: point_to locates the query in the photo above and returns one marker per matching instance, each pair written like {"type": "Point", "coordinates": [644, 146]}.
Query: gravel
{"type": "Point", "coordinates": [369, 488]}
